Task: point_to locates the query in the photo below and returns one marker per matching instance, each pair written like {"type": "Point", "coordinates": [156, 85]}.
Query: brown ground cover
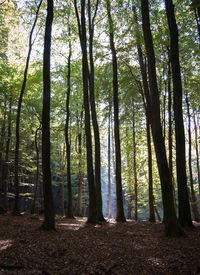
{"type": "Point", "coordinates": [112, 248]}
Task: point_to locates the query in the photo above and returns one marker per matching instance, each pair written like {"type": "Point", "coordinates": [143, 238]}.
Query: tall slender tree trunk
{"type": "Point", "coordinates": [197, 16]}
{"type": "Point", "coordinates": [17, 144]}
{"type": "Point", "coordinates": [156, 210]}
{"type": "Point", "coordinates": [197, 151]}
{"type": "Point", "coordinates": [120, 208]}
{"type": "Point", "coordinates": [151, 204]}
{"type": "Point", "coordinates": [70, 214]}
{"type": "Point", "coordinates": [135, 168]}
{"type": "Point", "coordinates": [183, 197]}
{"type": "Point", "coordinates": [2, 138]}
{"type": "Point", "coordinates": [128, 180]}
{"type": "Point", "coordinates": [147, 108]}
{"type": "Point", "coordinates": [6, 176]}
{"type": "Point", "coordinates": [49, 216]}
{"type": "Point", "coordinates": [94, 115]}
{"type": "Point", "coordinates": [80, 173]}
{"type": "Point", "coordinates": [37, 172]}
{"type": "Point", "coordinates": [164, 111]}
{"type": "Point", "coordinates": [170, 132]}
{"type": "Point", "coordinates": [193, 197]}
{"type": "Point", "coordinates": [172, 226]}
{"type": "Point", "coordinates": [109, 164]}
{"type": "Point", "coordinates": [92, 213]}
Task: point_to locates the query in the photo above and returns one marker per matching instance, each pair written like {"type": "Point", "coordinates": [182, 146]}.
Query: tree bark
{"type": "Point", "coordinates": [147, 108]}
{"type": "Point", "coordinates": [193, 197]}
{"type": "Point", "coordinates": [70, 214]}
{"type": "Point", "coordinates": [184, 206]}
{"type": "Point", "coordinates": [6, 176]}
{"type": "Point", "coordinates": [37, 172]}
{"type": "Point", "coordinates": [197, 152]}
{"type": "Point", "coordinates": [92, 212]}
{"type": "Point", "coordinates": [197, 17]}
{"type": "Point", "coordinates": [80, 173]}
{"type": "Point", "coordinates": [172, 226]}
{"type": "Point", "coordinates": [17, 144]}
{"type": "Point", "coordinates": [94, 115]}
{"type": "Point", "coordinates": [109, 166]}
{"type": "Point", "coordinates": [49, 216]}
{"type": "Point", "coordinates": [3, 132]}
{"type": "Point", "coordinates": [120, 209]}
{"type": "Point", "coordinates": [135, 169]}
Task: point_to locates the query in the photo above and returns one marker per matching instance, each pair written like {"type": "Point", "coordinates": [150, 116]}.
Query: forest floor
{"type": "Point", "coordinates": [112, 248]}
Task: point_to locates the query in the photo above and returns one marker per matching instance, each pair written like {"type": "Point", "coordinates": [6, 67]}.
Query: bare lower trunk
{"type": "Point", "coordinates": [6, 178]}
{"type": "Point", "coordinates": [17, 143]}
{"type": "Point", "coordinates": [184, 206]}
{"type": "Point", "coordinates": [193, 197]}
{"type": "Point", "coordinates": [120, 209]}
{"type": "Point", "coordinates": [94, 115]}
{"type": "Point", "coordinates": [135, 169]}
{"type": "Point", "coordinates": [70, 214]}
{"type": "Point", "coordinates": [49, 216]}
{"type": "Point", "coordinates": [109, 174]}
{"type": "Point", "coordinates": [92, 212]}
{"type": "Point", "coordinates": [37, 173]}
{"type": "Point", "coordinates": [172, 226]}
{"type": "Point", "coordinates": [80, 173]}
{"type": "Point", "coordinates": [197, 152]}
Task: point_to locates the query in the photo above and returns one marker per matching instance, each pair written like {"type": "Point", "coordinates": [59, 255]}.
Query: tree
{"type": "Point", "coordinates": [92, 213]}
{"type": "Point", "coordinates": [37, 171]}
{"type": "Point", "coordinates": [147, 107]}
{"type": "Point", "coordinates": [120, 210]}
{"type": "Point", "coordinates": [193, 197]}
{"type": "Point", "coordinates": [197, 151]}
{"type": "Point", "coordinates": [94, 114]}
{"type": "Point", "coordinates": [183, 206]}
{"type": "Point", "coordinates": [109, 163]}
{"type": "Point", "coordinates": [135, 167]}
{"type": "Point", "coordinates": [49, 219]}
{"type": "Point", "coordinates": [31, 42]}
{"type": "Point", "coordinates": [7, 155]}
{"type": "Point", "coordinates": [172, 226]}
{"type": "Point", "coordinates": [70, 214]}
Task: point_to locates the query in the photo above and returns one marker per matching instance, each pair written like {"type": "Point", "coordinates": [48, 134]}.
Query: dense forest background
{"type": "Point", "coordinates": [110, 36]}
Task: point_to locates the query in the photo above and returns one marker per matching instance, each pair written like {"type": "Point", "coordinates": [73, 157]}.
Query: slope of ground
{"type": "Point", "coordinates": [112, 248]}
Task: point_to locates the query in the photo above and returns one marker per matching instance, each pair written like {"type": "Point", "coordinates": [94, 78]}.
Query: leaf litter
{"type": "Point", "coordinates": [133, 247]}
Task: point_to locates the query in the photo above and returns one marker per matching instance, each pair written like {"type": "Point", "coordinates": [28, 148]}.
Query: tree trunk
{"type": "Point", "coordinates": [193, 197]}
{"type": "Point", "coordinates": [80, 173]}
{"type": "Point", "coordinates": [156, 210]}
{"type": "Point", "coordinates": [92, 212]}
{"type": "Point", "coordinates": [172, 226]}
{"type": "Point", "coordinates": [6, 176]}
{"type": "Point", "coordinates": [37, 173]}
{"type": "Point", "coordinates": [109, 157]}
{"type": "Point", "coordinates": [3, 132]}
{"type": "Point", "coordinates": [164, 111]}
{"type": "Point", "coordinates": [128, 180]}
{"type": "Point", "coordinates": [49, 217]}
{"type": "Point", "coordinates": [135, 169]}
{"type": "Point", "coordinates": [120, 209]}
{"type": "Point", "coordinates": [170, 133]}
{"type": "Point", "coordinates": [184, 206]}
{"type": "Point", "coordinates": [197, 152]}
{"type": "Point", "coordinates": [70, 214]}
{"type": "Point", "coordinates": [17, 144]}
{"type": "Point", "coordinates": [147, 108]}
{"type": "Point", "coordinates": [94, 115]}
{"type": "Point", "coordinates": [151, 205]}
{"type": "Point", "coordinates": [197, 17]}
